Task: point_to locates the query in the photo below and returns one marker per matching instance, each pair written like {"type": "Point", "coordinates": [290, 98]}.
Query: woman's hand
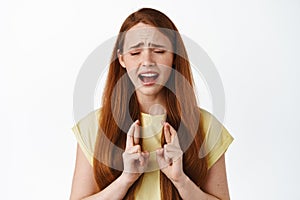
{"type": "Point", "coordinates": [135, 161]}
{"type": "Point", "coordinates": [169, 158]}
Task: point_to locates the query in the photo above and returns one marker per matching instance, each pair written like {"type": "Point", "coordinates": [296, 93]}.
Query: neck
{"type": "Point", "coordinates": [154, 105]}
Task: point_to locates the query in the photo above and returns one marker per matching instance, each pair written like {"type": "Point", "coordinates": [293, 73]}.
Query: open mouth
{"type": "Point", "coordinates": [148, 78]}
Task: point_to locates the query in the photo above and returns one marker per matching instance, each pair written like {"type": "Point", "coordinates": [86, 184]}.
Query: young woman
{"type": "Point", "coordinates": [146, 141]}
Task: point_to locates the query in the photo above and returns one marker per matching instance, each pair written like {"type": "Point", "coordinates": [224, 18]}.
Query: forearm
{"type": "Point", "coordinates": [115, 191]}
{"type": "Point", "coordinates": [189, 190]}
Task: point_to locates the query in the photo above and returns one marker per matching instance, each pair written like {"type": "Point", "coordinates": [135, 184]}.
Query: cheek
{"type": "Point", "coordinates": [131, 72]}
{"type": "Point", "coordinates": [129, 64]}
{"type": "Point", "coordinates": [130, 61]}
{"type": "Point", "coordinates": [166, 71]}
{"type": "Point", "coordinates": [168, 61]}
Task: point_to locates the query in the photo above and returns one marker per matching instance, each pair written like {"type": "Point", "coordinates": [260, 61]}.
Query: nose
{"type": "Point", "coordinates": [147, 59]}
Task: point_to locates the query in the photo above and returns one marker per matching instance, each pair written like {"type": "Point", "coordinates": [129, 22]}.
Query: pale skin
{"type": "Point", "coordinates": [169, 157]}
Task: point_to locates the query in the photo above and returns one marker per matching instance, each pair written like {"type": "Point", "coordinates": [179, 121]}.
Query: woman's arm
{"type": "Point", "coordinates": [169, 159]}
{"type": "Point", "coordinates": [216, 184]}
{"type": "Point", "coordinates": [84, 185]}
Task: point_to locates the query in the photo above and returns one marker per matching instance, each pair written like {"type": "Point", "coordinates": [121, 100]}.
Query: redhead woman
{"type": "Point", "coordinates": [147, 141]}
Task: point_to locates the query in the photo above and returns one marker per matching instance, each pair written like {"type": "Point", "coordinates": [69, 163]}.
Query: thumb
{"type": "Point", "coordinates": [160, 158]}
{"type": "Point", "coordinates": [160, 152]}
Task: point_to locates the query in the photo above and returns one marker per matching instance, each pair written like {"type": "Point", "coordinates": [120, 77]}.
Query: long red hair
{"type": "Point", "coordinates": [117, 115]}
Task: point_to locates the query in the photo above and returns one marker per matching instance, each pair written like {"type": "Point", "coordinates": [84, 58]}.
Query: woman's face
{"type": "Point", "coordinates": [148, 58]}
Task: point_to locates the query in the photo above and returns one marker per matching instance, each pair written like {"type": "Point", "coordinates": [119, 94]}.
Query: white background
{"type": "Point", "coordinates": [254, 45]}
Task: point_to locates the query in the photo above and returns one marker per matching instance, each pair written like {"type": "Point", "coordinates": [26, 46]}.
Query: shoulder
{"type": "Point", "coordinates": [210, 123]}
{"type": "Point", "coordinates": [89, 119]}
{"type": "Point", "coordinates": [85, 131]}
{"type": "Point", "coordinates": [216, 137]}
{"type": "Point", "coordinates": [205, 116]}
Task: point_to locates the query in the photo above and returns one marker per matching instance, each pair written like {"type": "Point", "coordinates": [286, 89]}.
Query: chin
{"type": "Point", "coordinates": [153, 91]}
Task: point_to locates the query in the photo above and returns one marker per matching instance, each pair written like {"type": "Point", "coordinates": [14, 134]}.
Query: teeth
{"type": "Point", "coordinates": [148, 75]}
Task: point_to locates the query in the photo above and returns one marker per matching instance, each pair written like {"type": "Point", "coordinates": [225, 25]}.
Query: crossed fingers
{"type": "Point", "coordinates": [171, 151]}
{"type": "Point", "coordinates": [134, 159]}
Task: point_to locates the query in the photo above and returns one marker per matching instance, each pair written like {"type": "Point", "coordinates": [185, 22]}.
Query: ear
{"type": "Point", "coordinates": [121, 59]}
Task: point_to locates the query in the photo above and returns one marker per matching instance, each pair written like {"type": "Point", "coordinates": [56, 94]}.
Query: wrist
{"type": "Point", "coordinates": [125, 179]}
{"type": "Point", "coordinates": [181, 181]}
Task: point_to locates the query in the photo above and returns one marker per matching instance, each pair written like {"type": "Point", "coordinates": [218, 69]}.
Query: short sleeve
{"type": "Point", "coordinates": [217, 138]}
{"type": "Point", "coordinates": [85, 131]}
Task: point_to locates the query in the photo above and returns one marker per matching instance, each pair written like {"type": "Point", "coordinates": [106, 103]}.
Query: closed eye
{"type": "Point", "coordinates": [134, 53]}
{"type": "Point", "coordinates": [159, 51]}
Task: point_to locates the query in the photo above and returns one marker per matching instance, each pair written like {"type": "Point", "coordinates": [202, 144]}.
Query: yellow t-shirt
{"type": "Point", "coordinates": [217, 140]}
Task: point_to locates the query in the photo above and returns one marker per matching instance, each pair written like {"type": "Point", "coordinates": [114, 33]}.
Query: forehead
{"type": "Point", "coordinates": [146, 34]}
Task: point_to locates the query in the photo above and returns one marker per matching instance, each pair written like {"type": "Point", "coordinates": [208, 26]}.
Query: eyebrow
{"type": "Point", "coordinates": [149, 45]}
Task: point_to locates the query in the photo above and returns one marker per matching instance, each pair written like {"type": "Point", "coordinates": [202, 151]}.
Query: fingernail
{"type": "Point", "coordinates": [137, 122]}
{"type": "Point", "coordinates": [167, 125]}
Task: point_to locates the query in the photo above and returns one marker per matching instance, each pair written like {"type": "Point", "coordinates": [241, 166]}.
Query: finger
{"type": "Point", "coordinates": [167, 132]}
{"type": "Point", "coordinates": [133, 156]}
{"type": "Point", "coordinates": [144, 158]}
{"type": "Point", "coordinates": [172, 147]}
{"type": "Point", "coordinates": [172, 153]}
{"type": "Point", "coordinates": [146, 154]}
{"type": "Point", "coordinates": [167, 155]}
{"type": "Point", "coordinates": [141, 159]}
{"type": "Point", "coordinates": [172, 130]}
{"type": "Point", "coordinates": [129, 138]}
{"type": "Point", "coordinates": [129, 160]}
{"type": "Point", "coordinates": [172, 156]}
{"type": "Point", "coordinates": [136, 135]}
{"type": "Point", "coordinates": [175, 140]}
{"type": "Point", "coordinates": [160, 158]}
{"type": "Point", "coordinates": [134, 149]}
{"type": "Point", "coordinates": [174, 136]}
